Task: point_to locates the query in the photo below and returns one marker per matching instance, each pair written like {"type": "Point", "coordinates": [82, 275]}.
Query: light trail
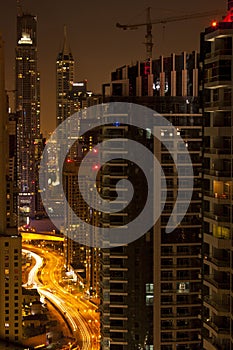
{"type": "Point", "coordinates": [32, 276]}
{"type": "Point", "coordinates": [33, 280]}
{"type": "Point", "coordinates": [67, 304]}
{"type": "Point", "coordinates": [59, 303]}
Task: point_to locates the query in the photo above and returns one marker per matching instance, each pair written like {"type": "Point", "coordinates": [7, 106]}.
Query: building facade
{"type": "Point", "coordinates": [168, 291]}
{"type": "Point", "coordinates": [10, 241]}
{"type": "Point", "coordinates": [80, 257]}
{"type": "Point", "coordinates": [216, 60]}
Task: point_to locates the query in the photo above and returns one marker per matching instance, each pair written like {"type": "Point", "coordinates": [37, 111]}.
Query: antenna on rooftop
{"type": "Point", "coordinates": [19, 7]}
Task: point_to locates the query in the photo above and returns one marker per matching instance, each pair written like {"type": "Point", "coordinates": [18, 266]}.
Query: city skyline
{"type": "Point", "coordinates": [118, 280]}
{"type": "Point", "coordinates": [92, 35]}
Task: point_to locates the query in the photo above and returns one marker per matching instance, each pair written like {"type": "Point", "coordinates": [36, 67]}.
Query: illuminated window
{"type": "Point", "coordinates": [182, 287]}
{"type": "Point", "coordinates": [149, 300]}
{"type": "Point", "coordinates": [221, 232]}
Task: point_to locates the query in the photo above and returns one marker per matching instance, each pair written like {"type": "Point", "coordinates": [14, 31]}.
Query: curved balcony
{"type": "Point", "coordinates": [223, 218]}
{"type": "Point", "coordinates": [218, 197]}
{"type": "Point", "coordinates": [219, 173]}
{"type": "Point", "coordinates": [213, 344]}
{"type": "Point", "coordinates": [220, 309]}
{"type": "Point", "coordinates": [218, 151]}
{"type": "Point", "coordinates": [218, 330]}
{"type": "Point", "coordinates": [209, 280]}
{"type": "Point", "coordinates": [219, 263]}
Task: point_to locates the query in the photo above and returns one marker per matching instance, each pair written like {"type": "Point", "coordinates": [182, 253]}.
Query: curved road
{"type": "Point", "coordinates": [79, 312]}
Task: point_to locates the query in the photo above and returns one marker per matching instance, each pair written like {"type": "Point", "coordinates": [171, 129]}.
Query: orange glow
{"type": "Point", "coordinates": [214, 23]}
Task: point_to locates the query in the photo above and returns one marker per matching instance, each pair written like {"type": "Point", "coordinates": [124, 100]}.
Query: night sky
{"type": "Point", "coordinates": [97, 45]}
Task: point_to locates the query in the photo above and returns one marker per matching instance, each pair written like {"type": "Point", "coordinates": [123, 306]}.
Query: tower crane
{"type": "Point", "coordinates": [149, 23]}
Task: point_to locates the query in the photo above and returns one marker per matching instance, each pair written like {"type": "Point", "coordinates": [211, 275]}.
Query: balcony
{"type": "Point", "coordinates": [191, 266]}
{"type": "Point", "coordinates": [209, 279]}
{"type": "Point", "coordinates": [217, 216]}
{"type": "Point", "coordinates": [219, 242]}
{"type": "Point", "coordinates": [188, 253]}
{"type": "Point", "coordinates": [219, 197]}
{"type": "Point", "coordinates": [184, 315]}
{"type": "Point", "coordinates": [189, 327]}
{"type": "Point", "coordinates": [190, 278]}
{"type": "Point", "coordinates": [218, 173]}
{"type": "Point", "coordinates": [220, 52]}
{"type": "Point", "coordinates": [220, 309]}
{"type": "Point", "coordinates": [217, 105]}
{"type": "Point", "coordinates": [218, 330]}
{"type": "Point", "coordinates": [220, 263]}
{"type": "Point", "coordinates": [105, 284]}
{"type": "Point", "coordinates": [105, 261]}
{"type": "Point", "coordinates": [217, 151]}
{"type": "Point", "coordinates": [213, 344]}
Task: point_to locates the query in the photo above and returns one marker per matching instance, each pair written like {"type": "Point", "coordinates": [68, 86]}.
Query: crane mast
{"type": "Point", "coordinates": [148, 36]}
{"type": "Point", "coordinates": [149, 25]}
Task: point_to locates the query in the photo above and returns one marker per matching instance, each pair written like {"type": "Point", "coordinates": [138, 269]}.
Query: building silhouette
{"type": "Point", "coordinates": [64, 80]}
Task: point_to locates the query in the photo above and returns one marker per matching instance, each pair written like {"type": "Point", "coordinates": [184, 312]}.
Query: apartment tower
{"type": "Point", "coordinates": [159, 308]}
{"type": "Point", "coordinates": [217, 68]}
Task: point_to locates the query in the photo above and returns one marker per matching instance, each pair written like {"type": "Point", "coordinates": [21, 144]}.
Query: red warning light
{"type": "Point", "coordinates": [214, 24]}
{"type": "Point", "coordinates": [95, 167]}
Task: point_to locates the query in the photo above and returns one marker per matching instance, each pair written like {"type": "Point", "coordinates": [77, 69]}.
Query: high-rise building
{"type": "Point", "coordinates": [13, 166]}
{"type": "Point", "coordinates": [28, 105]}
{"type": "Point", "coordinates": [217, 67]}
{"type": "Point", "coordinates": [80, 97]}
{"type": "Point", "coordinates": [82, 258]}
{"type": "Point", "coordinates": [64, 80]}
{"type": "Point", "coordinates": [126, 272]}
{"type": "Point", "coordinates": [157, 309]}
{"type": "Point", "coordinates": [10, 241]}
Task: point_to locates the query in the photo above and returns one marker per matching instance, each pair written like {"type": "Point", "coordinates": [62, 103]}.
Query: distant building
{"type": "Point", "coordinates": [82, 258]}
{"type": "Point", "coordinates": [64, 80]}
{"type": "Point", "coordinates": [10, 241]}
{"type": "Point", "coordinates": [71, 95]}
{"type": "Point", "coordinates": [217, 68]}
{"type": "Point", "coordinates": [81, 98]}
{"type": "Point", "coordinates": [28, 109]}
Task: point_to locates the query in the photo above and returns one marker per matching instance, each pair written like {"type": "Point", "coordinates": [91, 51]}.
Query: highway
{"type": "Point", "coordinates": [46, 276]}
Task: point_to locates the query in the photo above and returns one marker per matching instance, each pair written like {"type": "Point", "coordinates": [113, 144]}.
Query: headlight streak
{"type": "Point", "coordinates": [69, 312]}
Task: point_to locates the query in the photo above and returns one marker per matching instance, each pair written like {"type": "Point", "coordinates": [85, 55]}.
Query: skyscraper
{"type": "Point", "coordinates": [10, 241]}
{"type": "Point", "coordinates": [28, 104]}
{"type": "Point", "coordinates": [216, 58]}
{"type": "Point", "coordinates": [157, 309]}
{"type": "Point", "coordinates": [64, 80]}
